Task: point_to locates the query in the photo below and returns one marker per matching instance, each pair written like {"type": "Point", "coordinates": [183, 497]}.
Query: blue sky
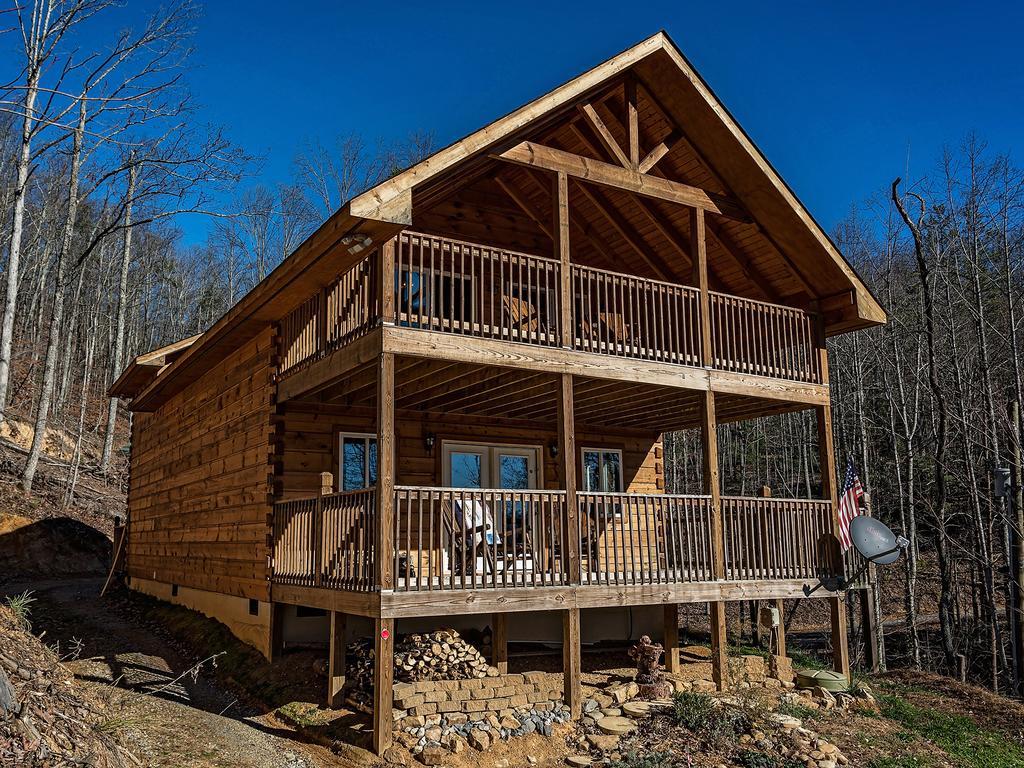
{"type": "Point", "coordinates": [836, 94]}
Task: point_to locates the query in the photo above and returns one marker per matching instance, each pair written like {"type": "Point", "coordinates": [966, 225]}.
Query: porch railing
{"type": "Point", "coordinates": [450, 286]}
{"type": "Point", "coordinates": [325, 541]}
{"type": "Point", "coordinates": [763, 339]}
{"type": "Point", "coordinates": [455, 287]}
{"type": "Point", "coordinates": [617, 314]}
{"type": "Point", "coordinates": [451, 538]}
{"type": "Point", "coordinates": [472, 539]}
{"type": "Point", "coordinates": [769, 538]}
{"type": "Point", "coordinates": [628, 538]}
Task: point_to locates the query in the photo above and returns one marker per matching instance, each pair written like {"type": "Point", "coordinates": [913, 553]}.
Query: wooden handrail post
{"type": "Point", "coordinates": [560, 236]}
{"type": "Point", "coordinates": [386, 281]}
{"type": "Point", "coordinates": [383, 524]}
{"type": "Point", "coordinates": [827, 468]}
{"type": "Point", "coordinates": [709, 442]}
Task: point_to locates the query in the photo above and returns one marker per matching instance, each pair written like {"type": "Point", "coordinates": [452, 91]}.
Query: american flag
{"type": "Point", "coordinates": [849, 504]}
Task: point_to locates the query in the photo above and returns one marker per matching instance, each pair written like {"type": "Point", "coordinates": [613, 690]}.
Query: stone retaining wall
{"type": "Point", "coordinates": [500, 694]}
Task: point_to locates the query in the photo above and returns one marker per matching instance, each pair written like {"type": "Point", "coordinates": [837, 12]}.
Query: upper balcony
{"type": "Point", "coordinates": [457, 288]}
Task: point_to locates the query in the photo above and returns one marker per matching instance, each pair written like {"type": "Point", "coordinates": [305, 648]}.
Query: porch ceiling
{"type": "Point", "coordinates": [443, 387]}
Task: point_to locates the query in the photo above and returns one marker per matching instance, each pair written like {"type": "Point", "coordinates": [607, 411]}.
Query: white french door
{"type": "Point", "coordinates": [480, 465]}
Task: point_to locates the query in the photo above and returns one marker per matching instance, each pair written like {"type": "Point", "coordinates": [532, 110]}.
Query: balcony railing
{"type": "Point", "coordinates": [768, 538]}
{"type": "Point", "coordinates": [325, 541]}
{"type": "Point", "coordinates": [449, 286]}
{"type": "Point", "coordinates": [473, 539]}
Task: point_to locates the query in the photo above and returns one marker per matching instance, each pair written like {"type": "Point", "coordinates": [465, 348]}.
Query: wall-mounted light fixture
{"type": "Point", "coordinates": [428, 441]}
{"type": "Point", "coordinates": [357, 242]}
{"type": "Point", "coordinates": [553, 449]}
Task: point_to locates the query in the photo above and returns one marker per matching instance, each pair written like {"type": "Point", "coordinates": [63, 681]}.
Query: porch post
{"type": "Point", "coordinates": [384, 560]}
{"type": "Point", "coordinates": [827, 467]}
{"type": "Point", "coordinates": [571, 661]}
{"type": "Point", "coordinates": [383, 684]}
{"type": "Point", "coordinates": [499, 642]}
{"type": "Point", "coordinates": [671, 638]}
{"type": "Point", "coordinates": [560, 236]}
{"type": "Point", "coordinates": [336, 658]}
{"type": "Point", "coordinates": [567, 453]}
{"type": "Point", "coordinates": [709, 444]}
{"type": "Point", "coordinates": [384, 575]}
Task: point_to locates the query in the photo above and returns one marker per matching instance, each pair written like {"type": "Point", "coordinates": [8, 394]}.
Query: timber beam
{"type": "Point", "coordinates": [547, 158]}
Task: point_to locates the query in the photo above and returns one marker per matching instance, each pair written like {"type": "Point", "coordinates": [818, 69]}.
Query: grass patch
{"type": "Point", "coordinates": [302, 714]}
{"type": "Point", "coordinates": [797, 710]}
{"type": "Point", "coordinates": [748, 758]}
{"type": "Point", "coordinates": [959, 736]}
{"type": "Point", "coordinates": [21, 607]}
{"type": "Point", "coordinates": [803, 660]}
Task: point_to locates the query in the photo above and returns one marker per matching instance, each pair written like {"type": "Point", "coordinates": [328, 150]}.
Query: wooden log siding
{"type": "Point", "coordinates": [434, 550]}
{"type": "Point", "coordinates": [456, 287]}
{"type": "Point", "coordinates": [628, 538]}
{"type": "Point", "coordinates": [325, 541]}
{"type": "Point", "coordinates": [769, 538]}
{"type": "Point", "coordinates": [331, 318]}
{"type": "Point", "coordinates": [763, 339]}
{"type": "Point", "coordinates": [617, 314]}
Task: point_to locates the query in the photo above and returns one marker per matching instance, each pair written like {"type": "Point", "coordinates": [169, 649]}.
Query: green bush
{"type": "Point", "coordinates": [692, 710]}
{"type": "Point", "coordinates": [700, 714]}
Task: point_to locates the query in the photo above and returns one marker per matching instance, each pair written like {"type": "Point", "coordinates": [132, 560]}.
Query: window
{"type": "Point", "coordinates": [514, 467]}
{"type": "Point", "coordinates": [602, 470]}
{"type": "Point", "coordinates": [358, 457]}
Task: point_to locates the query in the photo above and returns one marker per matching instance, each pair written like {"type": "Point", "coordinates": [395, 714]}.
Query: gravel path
{"type": "Point", "coordinates": [167, 718]}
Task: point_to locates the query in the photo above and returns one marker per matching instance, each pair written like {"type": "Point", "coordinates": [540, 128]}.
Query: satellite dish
{"type": "Point", "coordinates": [875, 542]}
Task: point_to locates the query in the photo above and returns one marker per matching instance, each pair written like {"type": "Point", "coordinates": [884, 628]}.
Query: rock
{"type": "Point", "coordinates": [8, 699]}
{"type": "Point", "coordinates": [590, 705]}
{"type": "Point", "coordinates": [636, 709]}
{"type": "Point", "coordinates": [479, 739]}
{"type": "Point", "coordinates": [579, 761]}
{"type": "Point", "coordinates": [433, 733]}
{"type": "Point", "coordinates": [603, 741]}
{"type": "Point", "coordinates": [531, 759]}
{"type": "Point", "coordinates": [704, 686]}
{"type": "Point", "coordinates": [393, 756]}
{"type": "Point", "coordinates": [611, 712]}
{"type": "Point", "coordinates": [616, 726]}
{"type": "Point", "coordinates": [433, 754]}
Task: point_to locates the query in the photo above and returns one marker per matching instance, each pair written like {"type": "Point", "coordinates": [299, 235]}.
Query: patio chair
{"type": "Point", "coordinates": [471, 531]}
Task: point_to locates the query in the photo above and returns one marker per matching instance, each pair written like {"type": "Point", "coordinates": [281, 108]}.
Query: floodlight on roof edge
{"type": "Point", "coordinates": [875, 542]}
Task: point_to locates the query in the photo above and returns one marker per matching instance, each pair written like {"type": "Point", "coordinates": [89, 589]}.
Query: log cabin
{"type": "Point", "coordinates": [449, 401]}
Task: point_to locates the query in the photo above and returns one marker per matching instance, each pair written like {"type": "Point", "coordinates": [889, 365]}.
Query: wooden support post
{"type": "Point", "coordinates": [632, 123]}
{"type": "Point", "coordinates": [699, 254]}
{"type": "Point", "coordinates": [567, 453]}
{"type": "Point", "coordinates": [383, 684]}
{"type": "Point", "coordinates": [336, 659]}
{"type": "Point", "coordinates": [571, 661]}
{"type": "Point", "coordinates": [709, 444]}
{"type": "Point", "coordinates": [780, 606]}
{"type": "Point", "coordinates": [499, 642]}
{"type": "Point", "coordinates": [384, 565]}
{"type": "Point", "coordinates": [386, 282]}
{"type": "Point", "coordinates": [671, 639]}
{"type": "Point", "coordinates": [719, 653]}
{"type": "Point", "coordinates": [560, 235]}
{"type": "Point", "coordinates": [827, 467]}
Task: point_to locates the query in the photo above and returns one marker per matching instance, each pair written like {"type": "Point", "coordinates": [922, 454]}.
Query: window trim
{"type": "Point", "coordinates": [340, 481]}
{"type": "Point", "coordinates": [583, 467]}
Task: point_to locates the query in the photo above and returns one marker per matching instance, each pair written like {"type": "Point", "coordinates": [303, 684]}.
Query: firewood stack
{"type": "Point", "coordinates": [440, 655]}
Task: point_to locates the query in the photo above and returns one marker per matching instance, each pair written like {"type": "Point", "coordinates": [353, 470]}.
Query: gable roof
{"type": "Point", "coordinates": [779, 218]}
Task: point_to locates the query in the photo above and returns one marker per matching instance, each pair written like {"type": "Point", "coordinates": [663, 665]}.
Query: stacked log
{"type": "Point", "coordinates": [440, 655]}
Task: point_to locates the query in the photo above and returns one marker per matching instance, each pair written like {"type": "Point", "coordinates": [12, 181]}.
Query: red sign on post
{"type": "Point", "coordinates": [384, 634]}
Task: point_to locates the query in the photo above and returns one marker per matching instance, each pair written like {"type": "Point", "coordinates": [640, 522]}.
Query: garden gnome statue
{"type": "Point", "coordinates": [649, 674]}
